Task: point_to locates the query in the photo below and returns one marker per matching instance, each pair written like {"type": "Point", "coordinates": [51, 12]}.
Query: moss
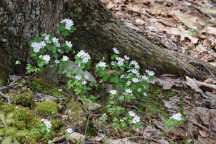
{"type": "Point", "coordinates": [25, 99]}
{"type": "Point", "coordinates": [25, 119]}
{"type": "Point", "coordinates": [58, 125]}
{"type": "Point", "coordinates": [7, 108]}
{"type": "Point", "coordinates": [43, 86]}
{"type": "Point", "coordinates": [47, 108]}
{"type": "Point", "coordinates": [75, 112]}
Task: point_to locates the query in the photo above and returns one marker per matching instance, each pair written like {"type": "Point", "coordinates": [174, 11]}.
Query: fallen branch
{"type": "Point", "coordinates": [6, 97]}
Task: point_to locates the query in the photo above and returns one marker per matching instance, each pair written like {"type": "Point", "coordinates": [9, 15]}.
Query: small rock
{"type": "Point", "coordinates": [93, 106]}
{"type": "Point", "coordinates": [4, 88]}
{"type": "Point", "coordinates": [43, 97]}
{"type": "Point", "coordinates": [52, 75]}
{"type": "Point", "coordinates": [77, 138]}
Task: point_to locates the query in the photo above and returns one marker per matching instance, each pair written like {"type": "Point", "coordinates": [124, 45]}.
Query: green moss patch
{"type": "Point", "coordinates": [47, 108]}
{"type": "Point", "coordinates": [75, 112]}
{"type": "Point", "coordinates": [25, 98]}
{"type": "Point", "coordinates": [43, 86]}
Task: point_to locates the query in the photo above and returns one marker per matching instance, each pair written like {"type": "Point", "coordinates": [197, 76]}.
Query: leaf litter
{"type": "Point", "coordinates": [188, 27]}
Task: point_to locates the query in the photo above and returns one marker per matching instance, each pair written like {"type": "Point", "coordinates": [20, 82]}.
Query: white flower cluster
{"type": "Point", "coordinates": [120, 61]}
{"type": "Point", "coordinates": [84, 56]}
{"type": "Point", "coordinates": [79, 77]}
{"type": "Point", "coordinates": [136, 118]}
{"type": "Point", "coordinates": [134, 71]}
{"type": "Point", "coordinates": [46, 58]}
{"type": "Point", "coordinates": [37, 46]}
{"type": "Point", "coordinates": [135, 64]}
{"type": "Point", "coordinates": [47, 124]}
{"type": "Point", "coordinates": [101, 65]}
{"type": "Point", "coordinates": [68, 23]}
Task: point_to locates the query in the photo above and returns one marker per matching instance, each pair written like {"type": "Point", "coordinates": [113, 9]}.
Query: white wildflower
{"type": "Point", "coordinates": [128, 83]}
{"type": "Point", "coordinates": [144, 77]}
{"type": "Point", "coordinates": [145, 94]}
{"type": "Point", "coordinates": [84, 82]}
{"type": "Point", "coordinates": [57, 61]}
{"type": "Point", "coordinates": [69, 130]}
{"type": "Point", "coordinates": [115, 50]}
{"type": "Point", "coordinates": [122, 76]}
{"type": "Point", "coordinates": [113, 92]}
{"type": "Point", "coordinates": [56, 41]}
{"type": "Point", "coordinates": [38, 45]}
{"type": "Point", "coordinates": [68, 23]}
{"type": "Point", "coordinates": [65, 58]}
{"type": "Point", "coordinates": [69, 44]}
{"type": "Point", "coordinates": [131, 113]}
{"type": "Point", "coordinates": [120, 61]}
{"type": "Point", "coordinates": [128, 91]}
{"type": "Point", "coordinates": [136, 119]}
{"type": "Point", "coordinates": [46, 58]}
{"type": "Point", "coordinates": [101, 65]}
{"type": "Point", "coordinates": [47, 124]}
{"type": "Point", "coordinates": [135, 64]}
{"type": "Point", "coordinates": [47, 38]}
{"type": "Point", "coordinates": [84, 56]}
{"type": "Point", "coordinates": [150, 73]}
{"type": "Point", "coordinates": [135, 80]}
{"type": "Point", "coordinates": [113, 63]}
{"type": "Point", "coordinates": [126, 57]}
{"type": "Point", "coordinates": [78, 77]}
{"type": "Point", "coordinates": [134, 71]}
{"type": "Point", "coordinates": [177, 116]}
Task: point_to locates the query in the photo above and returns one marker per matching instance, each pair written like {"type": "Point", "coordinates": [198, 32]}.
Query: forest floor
{"type": "Point", "coordinates": [189, 27]}
{"type": "Point", "coordinates": [186, 26]}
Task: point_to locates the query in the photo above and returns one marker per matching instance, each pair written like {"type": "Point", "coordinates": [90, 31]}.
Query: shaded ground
{"type": "Point", "coordinates": [184, 26]}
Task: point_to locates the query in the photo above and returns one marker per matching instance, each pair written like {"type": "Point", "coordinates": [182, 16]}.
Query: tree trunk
{"type": "Point", "coordinates": [97, 32]}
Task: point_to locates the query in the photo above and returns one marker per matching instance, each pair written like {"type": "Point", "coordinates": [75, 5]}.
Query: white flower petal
{"type": "Point", "coordinates": [177, 116]}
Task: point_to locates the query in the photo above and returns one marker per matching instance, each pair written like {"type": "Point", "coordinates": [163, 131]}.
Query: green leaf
{"type": "Point", "coordinates": [15, 141]}
{"type": "Point", "coordinates": [11, 130]}
{"type": "Point", "coordinates": [2, 116]}
{"type": "Point", "coordinates": [22, 133]}
{"type": "Point", "coordinates": [61, 28]}
{"type": "Point", "coordinates": [114, 79]}
{"type": "Point", "coordinates": [10, 115]}
{"type": "Point", "coordinates": [2, 132]}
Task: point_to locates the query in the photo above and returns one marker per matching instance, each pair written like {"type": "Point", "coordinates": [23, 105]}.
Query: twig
{"type": "Point", "coordinates": [141, 137]}
{"type": "Point", "coordinates": [6, 97]}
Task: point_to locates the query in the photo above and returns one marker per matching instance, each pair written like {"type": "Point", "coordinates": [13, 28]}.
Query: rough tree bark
{"type": "Point", "coordinates": [97, 32]}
